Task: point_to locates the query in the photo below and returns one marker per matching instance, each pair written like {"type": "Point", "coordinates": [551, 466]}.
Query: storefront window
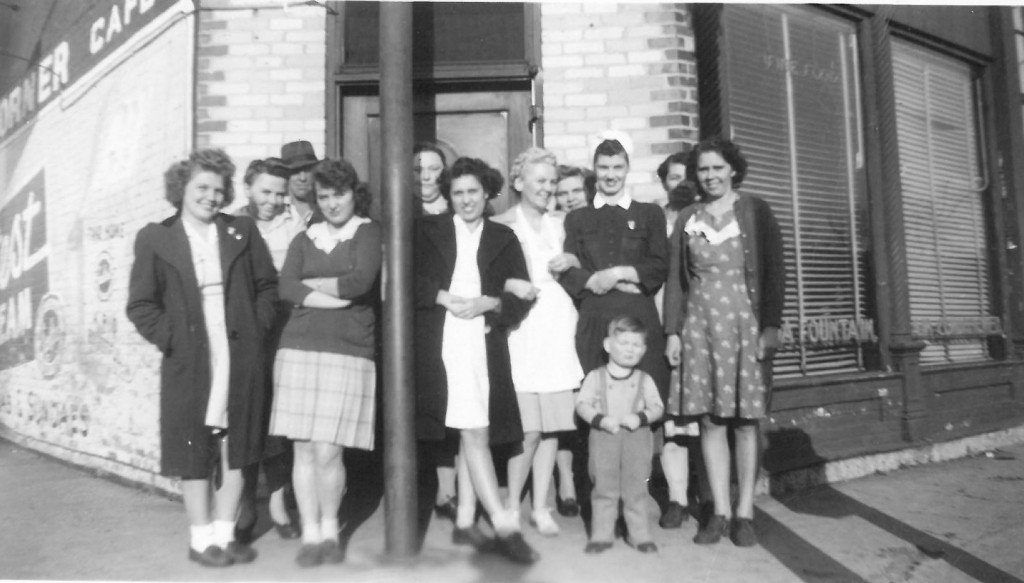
{"type": "Point", "coordinates": [793, 106]}
{"type": "Point", "coordinates": [943, 205]}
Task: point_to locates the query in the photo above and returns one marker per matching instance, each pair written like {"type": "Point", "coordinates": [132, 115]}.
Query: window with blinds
{"type": "Point", "coordinates": [793, 107]}
{"type": "Point", "coordinates": [943, 208]}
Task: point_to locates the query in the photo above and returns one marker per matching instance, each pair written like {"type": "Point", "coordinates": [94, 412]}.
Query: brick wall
{"type": "Point", "coordinates": [627, 67]}
{"type": "Point", "coordinates": [260, 79]}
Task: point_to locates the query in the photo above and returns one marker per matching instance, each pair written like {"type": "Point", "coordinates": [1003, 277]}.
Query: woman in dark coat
{"type": "Point", "coordinates": [202, 289]}
{"type": "Point", "coordinates": [464, 381]}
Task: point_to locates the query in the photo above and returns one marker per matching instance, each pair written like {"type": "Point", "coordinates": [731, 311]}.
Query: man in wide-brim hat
{"type": "Point", "coordinates": [300, 158]}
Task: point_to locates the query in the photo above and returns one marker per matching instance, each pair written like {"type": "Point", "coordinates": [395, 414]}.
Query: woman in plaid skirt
{"type": "Point", "coordinates": [324, 373]}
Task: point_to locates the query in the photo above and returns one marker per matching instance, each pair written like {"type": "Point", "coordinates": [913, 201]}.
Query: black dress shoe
{"type": "Point", "coordinates": [515, 549]}
{"type": "Point", "coordinates": [213, 556]}
{"type": "Point", "coordinates": [473, 537]}
{"type": "Point", "coordinates": [647, 547]}
{"type": "Point", "coordinates": [331, 552]}
{"type": "Point", "coordinates": [594, 548]}
{"type": "Point", "coordinates": [446, 509]}
{"type": "Point", "coordinates": [675, 515]}
{"type": "Point", "coordinates": [240, 553]}
{"type": "Point", "coordinates": [568, 507]}
{"type": "Point", "coordinates": [287, 531]}
{"type": "Point", "coordinates": [309, 556]}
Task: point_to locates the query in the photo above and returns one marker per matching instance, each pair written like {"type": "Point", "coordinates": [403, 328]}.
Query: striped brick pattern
{"type": "Point", "coordinates": [628, 67]}
{"type": "Point", "coordinates": [260, 78]}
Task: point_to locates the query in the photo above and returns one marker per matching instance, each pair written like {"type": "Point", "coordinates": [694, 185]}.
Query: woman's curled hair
{"type": "Point", "coordinates": [178, 175]}
{"type": "Point", "coordinates": [490, 179]}
{"type": "Point", "coordinates": [339, 174]}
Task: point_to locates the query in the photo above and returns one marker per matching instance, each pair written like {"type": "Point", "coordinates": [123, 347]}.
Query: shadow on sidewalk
{"type": "Point", "coordinates": [812, 564]}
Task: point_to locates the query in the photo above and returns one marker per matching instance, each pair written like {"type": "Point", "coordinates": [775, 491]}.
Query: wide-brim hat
{"type": "Point", "coordinates": [298, 155]}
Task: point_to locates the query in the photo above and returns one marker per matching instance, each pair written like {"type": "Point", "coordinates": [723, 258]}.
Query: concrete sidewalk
{"type": "Point", "coordinates": [958, 521]}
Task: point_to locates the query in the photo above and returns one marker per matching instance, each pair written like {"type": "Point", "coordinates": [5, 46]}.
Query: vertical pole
{"type": "Point", "coordinates": [396, 169]}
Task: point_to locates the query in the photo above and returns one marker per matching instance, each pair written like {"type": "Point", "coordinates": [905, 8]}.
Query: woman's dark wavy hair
{"type": "Point", "coordinates": [490, 179]}
{"type": "Point", "coordinates": [585, 174]}
{"type": "Point", "coordinates": [178, 175]}
{"type": "Point", "coordinates": [610, 148]}
{"type": "Point", "coordinates": [729, 152]}
{"type": "Point", "coordinates": [339, 173]}
{"type": "Point", "coordinates": [428, 147]}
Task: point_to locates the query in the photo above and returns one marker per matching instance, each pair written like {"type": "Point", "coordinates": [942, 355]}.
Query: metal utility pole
{"type": "Point", "coordinates": [396, 168]}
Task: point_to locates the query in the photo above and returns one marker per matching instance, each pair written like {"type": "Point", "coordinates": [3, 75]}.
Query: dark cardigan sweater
{"type": "Point", "coordinates": [764, 264]}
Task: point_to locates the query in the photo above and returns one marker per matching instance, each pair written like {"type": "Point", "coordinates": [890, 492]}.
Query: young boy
{"type": "Point", "coordinates": [620, 402]}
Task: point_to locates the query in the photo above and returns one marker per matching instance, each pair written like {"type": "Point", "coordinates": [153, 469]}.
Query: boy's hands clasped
{"type": "Point", "coordinates": [613, 424]}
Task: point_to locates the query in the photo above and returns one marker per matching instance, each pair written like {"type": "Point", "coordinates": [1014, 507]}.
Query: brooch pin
{"type": "Point", "coordinates": [234, 233]}
{"type": "Point", "coordinates": [631, 225]}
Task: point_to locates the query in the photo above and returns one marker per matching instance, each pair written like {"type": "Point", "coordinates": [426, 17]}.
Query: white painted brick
{"type": "Point", "coordinates": [610, 112]}
{"type": "Point", "coordinates": [560, 35]}
{"type": "Point", "coordinates": [268, 36]}
{"type": "Point", "coordinates": [561, 88]}
{"type": "Point", "coordinates": [566, 61]}
{"type": "Point", "coordinates": [603, 32]}
{"type": "Point", "coordinates": [226, 37]}
{"type": "Point", "coordinates": [250, 49]}
{"type": "Point", "coordinates": [268, 138]}
{"type": "Point", "coordinates": [628, 123]}
{"type": "Point", "coordinates": [565, 113]}
{"type": "Point", "coordinates": [605, 59]}
{"type": "Point", "coordinates": [224, 88]}
{"type": "Point", "coordinates": [652, 56]}
{"type": "Point", "coordinates": [268, 113]}
{"type": "Point", "coordinates": [587, 126]}
{"type": "Point", "coordinates": [583, 47]}
{"type": "Point", "coordinates": [552, 50]}
{"type": "Point", "coordinates": [561, 8]}
{"type": "Point", "coordinates": [317, 125]}
{"type": "Point", "coordinates": [584, 73]}
{"type": "Point", "coordinates": [248, 99]}
{"type": "Point", "coordinates": [626, 70]}
{"type": "Point", "coordinates": [600, 8]}
{"type": "Point", "coordinates": [286, 99]}
{"type": "Point", "coordinates": [286, 49]}
{"type": "Point", "coordinates": [247, 125]}
{"type": "Point", "coordinates": [646, 31]}
{"type": "Point", "coordinates": [287, 125]}
{"type": "Point", "coordinates": [303, 86]}
{"type": "Point", "coordinates": [585, 99]}
{"type": "Point", "coordinates": [564, 141]}
{"type": "Point", "coordinates": [283, 23]}
{"type": "Point", "coordinates": [306, 36]}
{"type": "Point", "coordinates": [286, 74]}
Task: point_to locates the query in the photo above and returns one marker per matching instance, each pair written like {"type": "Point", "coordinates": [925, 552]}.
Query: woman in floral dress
{"type": "Point", "coordinates": [723, 311]}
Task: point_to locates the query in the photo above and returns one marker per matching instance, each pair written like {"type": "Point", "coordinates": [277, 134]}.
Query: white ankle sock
{"type": "Point", "coordinates": [465, 516]}
{"type": "Point", "coordinates": [223, 532]}
{"type": "Point", "coordinates": [310, 533]}
{"type": "Point", "coordinates": [201, 537]}
{"type": "Point", "coordinates": [329, 528]}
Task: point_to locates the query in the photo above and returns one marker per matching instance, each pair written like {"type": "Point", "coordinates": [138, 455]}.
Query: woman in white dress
{"type": "Point", "coordinates": [545, 368]}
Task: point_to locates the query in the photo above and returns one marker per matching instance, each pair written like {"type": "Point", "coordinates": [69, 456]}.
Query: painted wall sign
{"type": "Point", "coordinates": [802, 68]}
{"type": "Point", "coordinates": [828, 332]}
{"type": "Point", "coordinates": [24, 278]}
{"type": "Point", "coordinates": [948, 328]}
{"type": "Point", "coordinates": [105, 26]}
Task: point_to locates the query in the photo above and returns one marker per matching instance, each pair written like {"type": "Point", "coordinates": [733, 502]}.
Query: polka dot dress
{"type": "Point", "coordinates": [721, 373]}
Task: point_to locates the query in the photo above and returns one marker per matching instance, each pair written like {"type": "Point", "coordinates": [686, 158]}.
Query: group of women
{"type": "Point", "coordinates": [511, 311]}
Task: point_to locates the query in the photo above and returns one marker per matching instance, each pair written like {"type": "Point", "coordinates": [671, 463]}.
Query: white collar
{"type": "Point", "coordinates": [325, 240]}
{"type": "Point", "coordinates": [624, 201]}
